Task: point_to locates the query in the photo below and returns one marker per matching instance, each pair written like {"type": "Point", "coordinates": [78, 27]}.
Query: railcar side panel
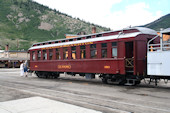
{"type": "Point", "coordinates": [109, 66]}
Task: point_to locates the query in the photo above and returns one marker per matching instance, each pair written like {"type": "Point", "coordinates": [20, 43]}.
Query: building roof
{"type": "Point", "coordinates": [1, 51]}
{"type": "Point", "coordinates": [9, 57]}
{"type": "Point", "coordinates": [13, 59]}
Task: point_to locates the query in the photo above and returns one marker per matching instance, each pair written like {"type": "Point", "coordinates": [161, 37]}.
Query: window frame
{"type": "Point", "coordinates": [39, 55]}
{"type": "Point", "coordinates": [65, 53]}
{"type": "Point", "coordinates": [33, 56]}
{"type": "Point", "coordinates": [45, 54]}
{"type": "Point", "coordinates": [114, 47]}
{"type": "Point", "coordinates": [50, 54]}
{"type": "Point", "coordinates": [73, 52]}
{"type": "Point", "coordinates": [94, 50]}
{"type": "Point", "coordinates": [104, 48]}
{"type": "Point", "coordinates": [83, 52]}
{"type": "Point", "coordinates": [58, 57]}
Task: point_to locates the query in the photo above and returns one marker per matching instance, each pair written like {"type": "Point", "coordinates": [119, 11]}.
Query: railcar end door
{"type": "Point", "coordinates": [129, 57]}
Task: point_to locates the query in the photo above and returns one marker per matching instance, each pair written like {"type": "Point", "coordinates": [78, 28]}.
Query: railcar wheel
{"type": "Point", "coordinates": [56, 76]}
{"type": "Point", "coordinates": [39, 74]}
{"type": "Point", "coordinates": [122, 82]}
{"type": "Point", "coordinates": [50, 75]}
{"type": "Point", "coordinates": [137, 82]}
{"type": "Point", "coordinates": [105, 80]}
{"type": "Point", "coordinates": [46, 75]}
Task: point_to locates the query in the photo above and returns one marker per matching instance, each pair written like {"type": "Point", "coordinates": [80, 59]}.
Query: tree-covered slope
{"type": "Point", "coordinates": [24, 22]}
{"type": "Point", "coordinates": [163, 22]}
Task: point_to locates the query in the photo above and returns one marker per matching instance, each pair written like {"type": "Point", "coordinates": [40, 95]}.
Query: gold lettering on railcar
{"type": "Point", "coordinates": [64, 66]}
{"type": "Point", "coordinates": [106, 67]}
{"type": "Point", "coordinates": [35, 66]}
{"type": "Point", "coordinates": [69, 45]}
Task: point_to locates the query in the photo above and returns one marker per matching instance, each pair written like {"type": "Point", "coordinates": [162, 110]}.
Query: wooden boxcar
{"type": "Point", "coordinates": [118, 56]}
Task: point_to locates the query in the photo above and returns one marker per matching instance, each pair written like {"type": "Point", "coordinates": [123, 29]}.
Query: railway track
{"type": "Point", "coordinates": [57, 90]}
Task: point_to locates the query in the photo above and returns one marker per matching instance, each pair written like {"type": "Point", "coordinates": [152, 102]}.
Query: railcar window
{"type": "Point", "coordinates": [104, 50]}
{"type": "Point", "coordinates": [39, 55]}
{"type": "Point", "coordinates": [33, 55]}
{"type": "Point", "coordinates": [99, 35]}
{"type": "Point", "coordinates": [58, 54]}
{"type": "Point", "coordinates": [93, 46]}
{"type": "Point", "coordinates": [104, 45]}
{"type": "Point", "coordinates": [88, 37]}
{"type": "Point", "coordinates": [82, 52]}
{"type": "Point", "coordinates": [71, 40]}
{"type": "Point", "coordinates": [114, 49]}
{"type": "Point", "coordinates": [65, 53]}
{"type": "Point", "coordinates": [51, 54]}
{"type": "Point", "coordinates": [44, 55]}
{"type": "Point", "coordinates": [93, 51]}
{"type": "Point", "coordinates": [73, 52]}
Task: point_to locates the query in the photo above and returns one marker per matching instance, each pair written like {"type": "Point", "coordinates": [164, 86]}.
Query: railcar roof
{"type": "Point", "coordinates": [166, 31]}
{"type": "Point", "coordinates": [141, 30]}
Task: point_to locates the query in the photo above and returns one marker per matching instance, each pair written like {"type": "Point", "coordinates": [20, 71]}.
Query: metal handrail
{"type": "Point", "coordinates": [166, 44]}
{"type": "Point", "coordinates": [150, 41]}
{"type": "Point", "coordinates": [156, 48]}
{"type": "Point", "coordinates": [154, 44]}
{"type": "Point", "coordinates": [165, 47]}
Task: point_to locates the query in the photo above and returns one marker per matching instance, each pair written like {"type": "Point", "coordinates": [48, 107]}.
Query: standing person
{"type": "Point", "coordinates": [25, 68]}
{"type": "Point", "coordinates": [22, 69]}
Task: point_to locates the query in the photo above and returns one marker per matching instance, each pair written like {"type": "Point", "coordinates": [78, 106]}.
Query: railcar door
{"type": "Point", "coordinates": [129, 58]}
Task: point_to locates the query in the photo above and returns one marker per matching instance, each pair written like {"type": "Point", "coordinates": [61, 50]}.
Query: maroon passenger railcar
{"type": "Point", "coordinates": [118, 56]}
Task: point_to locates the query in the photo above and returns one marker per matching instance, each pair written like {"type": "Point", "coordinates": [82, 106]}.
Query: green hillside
{"type": "Point", "coordinates": [163, 22]}
{"type": "Point", "coordinates": [24, 22]}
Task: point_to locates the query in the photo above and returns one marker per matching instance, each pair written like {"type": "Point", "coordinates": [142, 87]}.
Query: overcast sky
{"type": "Point", "coordinates": [115, 14]}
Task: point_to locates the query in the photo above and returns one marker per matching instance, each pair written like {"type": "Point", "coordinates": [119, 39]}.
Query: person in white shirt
{"type": "Point", "coordinates": [22, 69]}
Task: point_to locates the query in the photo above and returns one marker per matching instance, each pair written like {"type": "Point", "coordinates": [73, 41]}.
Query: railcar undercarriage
{"type": "Point", "coordinates": [156, 79]}
{"type": "Point", "coordinates": [109, 78]}
{"type": "Point", "coordinates": [120, 79]}
{"type": "Point", "coordinates": [106, 78]}
{"type": "Point", "coordinates": [44, 74]}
